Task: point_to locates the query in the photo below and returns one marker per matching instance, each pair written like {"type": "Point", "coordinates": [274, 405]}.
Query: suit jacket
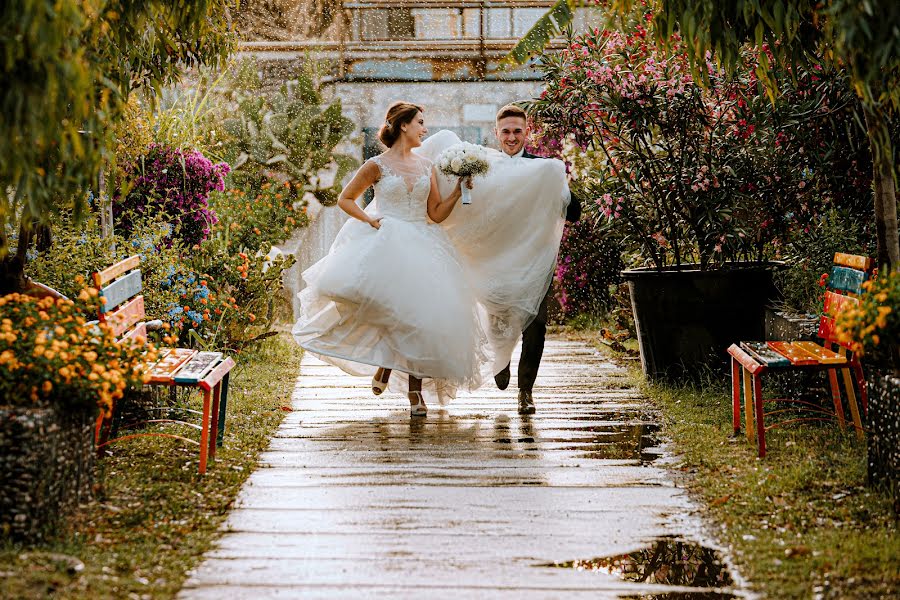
{"type": "Point", "coordinates": [573, 211]}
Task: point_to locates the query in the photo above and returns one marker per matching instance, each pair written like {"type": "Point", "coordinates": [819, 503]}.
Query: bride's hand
{"type": "Point", "coordinates": [467, 181]}
{"type": "Point", "coordinates": [376, 223]}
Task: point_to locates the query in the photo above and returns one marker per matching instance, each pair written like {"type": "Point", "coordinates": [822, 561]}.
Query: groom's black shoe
{"type": "Point", "coordinates": [526, 402]}
{"type": "Point", "coordinates": [502, 378]}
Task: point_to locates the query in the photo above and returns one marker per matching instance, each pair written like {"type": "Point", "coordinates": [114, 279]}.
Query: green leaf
{"type": "Point", "coordinates": [545, 29]}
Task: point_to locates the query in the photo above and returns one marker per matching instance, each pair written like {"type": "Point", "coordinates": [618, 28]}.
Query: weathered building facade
{"type": "Point", "coordinates": [446, 56]}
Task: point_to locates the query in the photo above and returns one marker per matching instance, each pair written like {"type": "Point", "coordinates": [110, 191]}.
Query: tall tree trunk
{"type": "Point", "coordinates": [12, 266]}
{"type": "Point", "coordinates": [885, 186]}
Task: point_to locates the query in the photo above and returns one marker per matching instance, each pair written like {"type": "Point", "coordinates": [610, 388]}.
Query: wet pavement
{"type": "Point", "coordinates": [355, 499]}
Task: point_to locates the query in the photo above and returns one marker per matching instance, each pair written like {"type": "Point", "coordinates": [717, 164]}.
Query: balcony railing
{"type": "Point", "coordinates": [479, 33]}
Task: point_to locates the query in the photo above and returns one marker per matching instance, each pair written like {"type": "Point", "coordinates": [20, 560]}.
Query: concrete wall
{"type": "Point", "coordinates": [466, 106]}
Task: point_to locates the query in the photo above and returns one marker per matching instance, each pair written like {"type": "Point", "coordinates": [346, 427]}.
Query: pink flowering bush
{"type": "Point", "coordinates": [687, 173]}
{"type": "Point", "coordinates": [174, 184]}
{"type": "Point", "coordinates": [587, 269]}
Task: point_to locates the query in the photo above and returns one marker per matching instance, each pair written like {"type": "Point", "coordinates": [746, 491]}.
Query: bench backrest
{"type": "Point", "coordinates": [122, 306]}
{"type": "Point", "coordinates": [843, 288]}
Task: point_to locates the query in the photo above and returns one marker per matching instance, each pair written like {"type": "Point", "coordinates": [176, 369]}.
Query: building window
{"type": "Point", "coordinates": [386, 24]}
{"type": "Point", "coordinates": [437, 24]}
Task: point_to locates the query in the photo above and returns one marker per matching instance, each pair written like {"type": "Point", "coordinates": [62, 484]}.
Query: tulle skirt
{"type": "Point", "coordinates": [508, 238]}
{"type": "Point", "coordinates": [397, 298]}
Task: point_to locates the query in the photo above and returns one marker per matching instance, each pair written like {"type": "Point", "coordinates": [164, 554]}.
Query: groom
{"type": "Point", "coordinates": [512, 131]}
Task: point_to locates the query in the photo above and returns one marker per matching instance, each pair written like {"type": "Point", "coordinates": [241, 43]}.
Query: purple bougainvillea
{"type": "Point", "coordinates": [174, 184]}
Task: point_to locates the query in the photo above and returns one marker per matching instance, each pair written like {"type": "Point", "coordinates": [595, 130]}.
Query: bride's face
{"type": "Point", "coordinates": [415, 131]}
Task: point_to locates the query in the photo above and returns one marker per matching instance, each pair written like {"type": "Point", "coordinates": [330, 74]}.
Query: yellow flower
{"type": "Point", "coordinates": [47, 387]}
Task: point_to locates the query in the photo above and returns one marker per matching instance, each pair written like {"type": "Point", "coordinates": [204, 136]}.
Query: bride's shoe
{"type": "Point", "coordinates": [379, 386]}
{"type": "Point", "coordinates": [417, 406]}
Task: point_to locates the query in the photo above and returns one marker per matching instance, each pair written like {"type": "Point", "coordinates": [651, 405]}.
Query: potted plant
{"type": "Point", "coordinates": [700, 182]}
{"type": "Point", "coordinates": [872, 329]}
{"type": "Point", "coordinates": [56, 373]}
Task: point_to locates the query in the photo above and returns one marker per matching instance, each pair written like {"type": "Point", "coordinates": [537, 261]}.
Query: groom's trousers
{"type": "Point", "coordinates": [533, 346]}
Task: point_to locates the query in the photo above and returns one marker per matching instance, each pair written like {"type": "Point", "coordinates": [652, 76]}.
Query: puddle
{"type": "Point", "coordinates": [667, 561]}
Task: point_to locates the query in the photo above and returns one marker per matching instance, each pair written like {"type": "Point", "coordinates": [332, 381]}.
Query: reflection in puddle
{"type": "Point", "coordinates": [668, 561]}
{"type": "Point", "coordinates": [630, 441]}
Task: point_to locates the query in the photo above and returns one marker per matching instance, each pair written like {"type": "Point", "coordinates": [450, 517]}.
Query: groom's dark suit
{"type": "Point", "coordinates": [533, 336]}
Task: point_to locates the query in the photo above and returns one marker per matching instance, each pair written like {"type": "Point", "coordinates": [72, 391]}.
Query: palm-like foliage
{"type": "Point", "coordinates": [288, 132]}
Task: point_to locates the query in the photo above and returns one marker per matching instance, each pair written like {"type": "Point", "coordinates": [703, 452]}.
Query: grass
{"type": "Point", "coordinates": [801, 523]}
{"type": "Point", "coordinates": [154, 515]}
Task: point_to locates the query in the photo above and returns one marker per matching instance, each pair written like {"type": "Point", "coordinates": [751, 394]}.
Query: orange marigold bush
{"type": "Point", "coordinates": [50, 354]}
{"type": "Point", "coordinates": [872, 328]}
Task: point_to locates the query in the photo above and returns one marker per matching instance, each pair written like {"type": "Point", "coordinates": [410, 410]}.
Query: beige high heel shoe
{"type": "Point", "coordinates": [417, 408]}
{"type": "Point", "coordinates": [379, 386]}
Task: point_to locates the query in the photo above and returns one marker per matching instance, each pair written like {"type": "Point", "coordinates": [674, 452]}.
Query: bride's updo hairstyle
{"type": "Point", "coordinates": [398, 114]}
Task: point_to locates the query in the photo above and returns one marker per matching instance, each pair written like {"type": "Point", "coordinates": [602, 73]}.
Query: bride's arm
{"type": "Point", "coordinates": [365, 177]}
{"type": "Point", "coordinates": [440, 208]}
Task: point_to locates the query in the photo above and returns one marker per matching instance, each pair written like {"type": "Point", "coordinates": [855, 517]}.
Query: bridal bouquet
{"type": "Point", "coordinates": [463, 160]}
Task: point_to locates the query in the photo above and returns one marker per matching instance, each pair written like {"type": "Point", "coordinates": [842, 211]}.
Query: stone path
{"type": "Point", "coordinates": [356, 500]}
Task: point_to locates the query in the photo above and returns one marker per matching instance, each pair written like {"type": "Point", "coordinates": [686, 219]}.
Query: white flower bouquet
{"type": "Point", "coordinates": [464, 160]}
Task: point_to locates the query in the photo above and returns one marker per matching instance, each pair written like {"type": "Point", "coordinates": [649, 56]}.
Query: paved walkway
{"type": "Point", "coordinates": [356, 500]}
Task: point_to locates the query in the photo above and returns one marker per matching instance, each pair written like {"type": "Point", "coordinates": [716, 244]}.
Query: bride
{"type": "Point", "coordinates": [392, 293]}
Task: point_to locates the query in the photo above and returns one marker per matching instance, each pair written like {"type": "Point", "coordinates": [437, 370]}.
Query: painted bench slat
{"type": "Point", "coordinates": [745, 360]}
{"type": "Point", "coordinates": [854, 261]}
{"type": "Point", "coordinates": [101, 278]}
{"type": "Point", "coordinates": [120, 290]}
{"type": "Point", "coordinates": [198, 367]}
{"type": "Point", "coordinates": [762, 353]}
{"type": "Point", "coordinates": [131, 313]}
{"type": "Point", "coordinates": [822, 354]}
{"type": "Point", "coordinates": [834, 302]}
{"type": "Point", "coordinates": [216, 375]}
{"type": "Point", "coordinates": [846, 279]}
{"type": "Point", "coordinates": [164, 369]}
{"type": "Point", "coordinates": [797, 356]}
{"type": "Point", "coordinates": [139, 331]}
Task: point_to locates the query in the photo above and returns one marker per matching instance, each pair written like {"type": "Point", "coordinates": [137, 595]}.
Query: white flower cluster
{"type": "Point", "coordinates": [463, 160]}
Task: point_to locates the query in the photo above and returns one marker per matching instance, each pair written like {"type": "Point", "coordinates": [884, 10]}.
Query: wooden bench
{"type": "Point", "coordinates": [122, 309]}
{"type": "Point", "coordinates": [751, 360]}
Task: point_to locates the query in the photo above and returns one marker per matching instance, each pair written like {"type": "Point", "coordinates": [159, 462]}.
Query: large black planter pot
{"type": "Point", "coordinates": [46, 464]}
{"type": "Point", "coordinates": [686, 318]}
{"type": "Point", "coordinates": [884, 426]}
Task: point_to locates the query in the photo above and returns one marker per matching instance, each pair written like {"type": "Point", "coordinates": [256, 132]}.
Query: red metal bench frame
{"type": "Point", "coordinates": [747, 369]}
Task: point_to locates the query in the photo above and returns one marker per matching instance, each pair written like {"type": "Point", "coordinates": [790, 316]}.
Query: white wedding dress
{"type": "Point", "coordinates": [396, 297]}
{"type": "Point", "coordinates": [508, 237]}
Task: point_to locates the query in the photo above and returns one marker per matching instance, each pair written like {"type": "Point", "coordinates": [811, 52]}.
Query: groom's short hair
{"type": "Point", "coordinates": [511, 110]}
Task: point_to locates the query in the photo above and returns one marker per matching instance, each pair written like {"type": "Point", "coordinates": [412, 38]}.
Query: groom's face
{"type": "Point", "coordinates": [511, 133]}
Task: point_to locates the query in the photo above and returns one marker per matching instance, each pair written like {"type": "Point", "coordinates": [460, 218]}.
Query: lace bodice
{"type": "Point", "coordinates": [403, 196]}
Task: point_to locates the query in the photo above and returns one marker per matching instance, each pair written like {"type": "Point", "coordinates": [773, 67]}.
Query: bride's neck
{"type": "Point", "coordinates": [400, 149]}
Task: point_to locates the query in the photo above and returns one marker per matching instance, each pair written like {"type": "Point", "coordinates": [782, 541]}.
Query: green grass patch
{"type": "Point", "coordinates": [154, 515]}
{"type": "Point", "coordinates": [801, 523]}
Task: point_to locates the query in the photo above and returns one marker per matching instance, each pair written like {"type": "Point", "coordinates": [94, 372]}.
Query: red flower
{"type": "Point", "coordinates": [823, 280]}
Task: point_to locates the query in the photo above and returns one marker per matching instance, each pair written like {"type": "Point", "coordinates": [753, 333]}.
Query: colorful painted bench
{"type": "Point", "coordinates": [751, 360]}
{"type": "Point", "coordinates": [123, 310]}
